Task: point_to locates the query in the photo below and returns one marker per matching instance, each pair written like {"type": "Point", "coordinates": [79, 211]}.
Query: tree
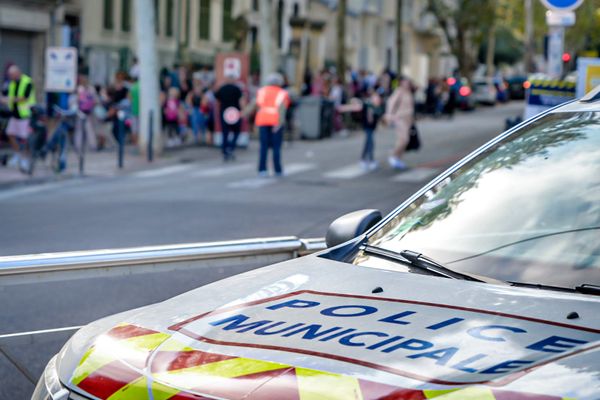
{"type": "Point", "coordinates": [341, 40]}
{"type": "Point", "coordinates": [464, 24]}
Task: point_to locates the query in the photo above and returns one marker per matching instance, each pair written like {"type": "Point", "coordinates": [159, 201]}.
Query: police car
{"type": "Point", "coordinates": [483, 285]}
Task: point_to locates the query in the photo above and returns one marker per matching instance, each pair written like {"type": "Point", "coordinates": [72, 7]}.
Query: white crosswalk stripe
{"type": "Point", "coordinates": [173, 169]}
{"type": "Point", "coordinates": [347, 172]}
{"type": "Point", "coordinates": [415, 175]}
{"type": "Point", "coordinates": [224, 170]}
{"type": "Point", "coordinates": [258, 182]}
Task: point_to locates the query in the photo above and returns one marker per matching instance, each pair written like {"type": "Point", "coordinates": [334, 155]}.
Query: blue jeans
{"type": "Point", "coordinates": [198, 122]}
{"type": "Point", "coordinates": [270, 139]}
{"type": "Point", "coordinates": [369, 148]}
{"type": "Point", "coordinates": [228, 146]}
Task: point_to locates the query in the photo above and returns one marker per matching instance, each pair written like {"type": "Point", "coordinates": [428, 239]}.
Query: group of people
{"type": "Point", "coordinates": [193, 108]}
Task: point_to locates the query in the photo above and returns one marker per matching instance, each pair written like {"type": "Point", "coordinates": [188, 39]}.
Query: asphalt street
{"type": "Point", "coordinates": [197, 199]}
{"type": "Point", "coordinates": [205, 199]}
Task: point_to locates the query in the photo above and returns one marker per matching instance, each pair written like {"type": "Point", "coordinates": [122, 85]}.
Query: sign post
{"type": "Point", "coordinates": [559, 15]}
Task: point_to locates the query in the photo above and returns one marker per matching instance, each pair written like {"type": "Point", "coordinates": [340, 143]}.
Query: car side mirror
{"type": "Point", "coordinates": [351, 225]}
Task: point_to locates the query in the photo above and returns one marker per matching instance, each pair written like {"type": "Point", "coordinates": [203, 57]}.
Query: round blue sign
{"type": "Point", "coordinates": [562, 5]}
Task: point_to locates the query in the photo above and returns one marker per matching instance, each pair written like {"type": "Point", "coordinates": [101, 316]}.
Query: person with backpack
{"type": "Point", "coordinates": [399, 114]}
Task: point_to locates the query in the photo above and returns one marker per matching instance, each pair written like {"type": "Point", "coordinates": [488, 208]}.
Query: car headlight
{"type": "Point", "coordinates": [49, 386]}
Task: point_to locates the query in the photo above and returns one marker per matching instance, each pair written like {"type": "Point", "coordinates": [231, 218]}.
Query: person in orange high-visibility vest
{"type": "Point", "coordinates": [272, 101]}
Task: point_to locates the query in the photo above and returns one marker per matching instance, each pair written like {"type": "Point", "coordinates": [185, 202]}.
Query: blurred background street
{"type": "Point", "coordinates": [199, 199]}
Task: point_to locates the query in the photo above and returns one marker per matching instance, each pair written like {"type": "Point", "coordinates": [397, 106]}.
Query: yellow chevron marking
{"type": "Point", "coordinates": [107, 350]}
{"type": "Point", "coordinates": [135, 390]}
{"type": "Point", "coordinates": [470, 393]}
{"type": "Point", "coordinates": [317, 385]}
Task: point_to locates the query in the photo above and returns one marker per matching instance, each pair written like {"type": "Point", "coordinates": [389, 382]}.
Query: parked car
{"type": "Point", "coordinates": [484, 284]}
{"type": "Point", "coordinates": [484, 91]}
{"type": "Point", "coordinates": [464, 94]}
{"type": "Point", "coordinates": [516, 87]}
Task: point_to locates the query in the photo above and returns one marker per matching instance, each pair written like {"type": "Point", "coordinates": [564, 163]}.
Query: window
{"type": "Point", "coordinates": [126, 15]}
{"type": "Point", "coordinates": [280, 24]}
{"type": "Point", "coordinates": [170, 9]}
{"type": "Point", "coordinates": [108, 20]}
{"type": "Point", "coordinates": [228, 27]}
{"type": "Point", "coordinates": [204, 20]}
{"type": "Point", "coordinates": [157, 16]}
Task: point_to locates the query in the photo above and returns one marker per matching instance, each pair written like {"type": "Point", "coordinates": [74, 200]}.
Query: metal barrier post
{"type": "Point", "coordinates": [83, 121]}
{"type": "Point", "coordinates": [121, 139]}
{"type": "Point", "coordinates": [151, 136]}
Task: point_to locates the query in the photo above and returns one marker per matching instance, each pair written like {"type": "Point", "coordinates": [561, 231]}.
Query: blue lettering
{"type": "Point", "coordinates": [312, 331]}
{"type": "Point", "coordinates": [364, 310]}
{"type": "Point", "coordinates": [236, 323]}
{"type": "Point", "coordinates": [395, 319]}
{"type": "Point", "coordinates": [478, 332]}
{"type": "Point", "coordinates": [445, 323]}
{"type": "Point", "coordinates": [294, 304]}
{"type": "Point", "coordinates": [410, 344]}
{"type": "Point", "coordinates": [506, 366]}
{"type": "Point", "coordinates": [347, 340]}
{"type": "Point", "coordinates": [442, 356]}
{"type": "Point", "coordinates": [265, 329]}
{"type": "Point", "coordinates": [337, 334]}
{"type": "Point", "coordinates": [385, 342]}
{"type": "Point", "coordinates": [462, 366]}
{"type": "Point", "coordinates": [555, 344]}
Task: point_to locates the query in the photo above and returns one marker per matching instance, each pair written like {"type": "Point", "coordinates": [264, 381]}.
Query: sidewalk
{"type": "Point", "coordinates": [105, 164]}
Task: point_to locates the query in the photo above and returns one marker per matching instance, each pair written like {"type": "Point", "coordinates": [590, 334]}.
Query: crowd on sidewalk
{"type": "Point", "coordinates": [195, 110]}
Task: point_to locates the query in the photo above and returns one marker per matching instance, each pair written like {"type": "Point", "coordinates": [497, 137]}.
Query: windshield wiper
{"type": "Point", "coordinates": [585, 288]}
{"type": "Point", "coordinates": [419, 261]}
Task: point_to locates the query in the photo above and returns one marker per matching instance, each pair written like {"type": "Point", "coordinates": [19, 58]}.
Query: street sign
{"type": "Point", "coordinates": [588, 74]}
{"type": "Point", "coordinates": [61, 69]}
{"type": "Point", "coordinates": [562, 5]}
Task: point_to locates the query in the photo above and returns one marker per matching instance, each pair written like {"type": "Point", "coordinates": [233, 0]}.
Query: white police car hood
{"type": "Point", "coordinates": [321, 328]}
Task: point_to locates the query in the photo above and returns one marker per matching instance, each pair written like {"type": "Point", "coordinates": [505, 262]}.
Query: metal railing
{"type": "Point", "coordinates": [286, 247]}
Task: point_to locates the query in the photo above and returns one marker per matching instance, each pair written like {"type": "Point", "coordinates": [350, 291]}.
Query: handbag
{"type": "Point", "coordinates": [414, 142]}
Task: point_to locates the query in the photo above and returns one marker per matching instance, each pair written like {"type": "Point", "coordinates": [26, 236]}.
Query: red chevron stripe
{"type": "Point", "coordinates": [507, 395]}
{"type": "Point", "coordinates": [128, 331]}
{"type": "Point", "coordinates": [172, 360]}
{"type": "Point", "coordinates": [380, 391]}
{"type": "Point", "coordinates": [105, 381]}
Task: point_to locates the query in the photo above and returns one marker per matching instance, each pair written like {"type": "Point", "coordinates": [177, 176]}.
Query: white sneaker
{"type": "Point", "coordinates": [24, 164]}
{"type": "Point", "coordinates": [14, 161]}
{"type": "Point", "coordinates": [364, 165]}
{"type": "Point", "coordinates": [397, 163]}
{"type": "Point", "coordinates": [373, 165]}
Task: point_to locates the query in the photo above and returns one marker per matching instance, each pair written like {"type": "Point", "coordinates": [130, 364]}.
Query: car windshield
{"type": "Point", "coordinates": [525, 210]}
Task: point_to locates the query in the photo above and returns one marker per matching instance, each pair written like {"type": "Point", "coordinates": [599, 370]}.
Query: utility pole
{"type": "Point", "coordinates": [399, 35]}
{"type": "Point", "coordinates": [148, 79]}
{"type": "Point", "coordinates": [341, 40]}
{"type": "Point", "coordinates": [491, 45]}
{"type": "Point", "coordinates": [264, 31]}
{"type": "Point", "coordinates": [529, 48]}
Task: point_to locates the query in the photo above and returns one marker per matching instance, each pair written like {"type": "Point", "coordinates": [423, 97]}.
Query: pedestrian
{"type": "Point", "coordinates": [229, 97]}
{"type": "Point", "coordinates": [399, 115]}
{"type": "Point", "coordinates": [272, 102]}
{"type": "Point", "coordinates": [20, 98]}
{"type": "Point", "coordinates": [87, 98]}
{"type": "Point", "coordinates": [372, 111]}
{"type": "Point", "coordinates": [171, 116]}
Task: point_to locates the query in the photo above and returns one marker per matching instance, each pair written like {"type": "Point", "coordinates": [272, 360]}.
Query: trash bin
{"type": "Point", "coordinates": [315, 117]}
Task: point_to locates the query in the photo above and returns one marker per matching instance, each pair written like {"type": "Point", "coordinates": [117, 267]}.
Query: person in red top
{"type": "Point", "coordinates": [272, 101]}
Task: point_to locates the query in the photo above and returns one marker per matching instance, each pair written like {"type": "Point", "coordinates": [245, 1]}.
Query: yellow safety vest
{"type": "Point", "coordinates": [23, 107]}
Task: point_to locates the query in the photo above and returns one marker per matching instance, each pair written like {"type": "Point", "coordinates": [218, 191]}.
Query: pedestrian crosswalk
{"type": "Point", "coordinates": [244, 175]}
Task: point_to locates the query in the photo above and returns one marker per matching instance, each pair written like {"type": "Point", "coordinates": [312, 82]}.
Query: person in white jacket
{"type": "Point", "coordinates": [399, 115]}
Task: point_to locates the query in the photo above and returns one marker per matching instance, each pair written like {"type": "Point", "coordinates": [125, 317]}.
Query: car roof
{"type": "Point", "coordinates": [589, 102]}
